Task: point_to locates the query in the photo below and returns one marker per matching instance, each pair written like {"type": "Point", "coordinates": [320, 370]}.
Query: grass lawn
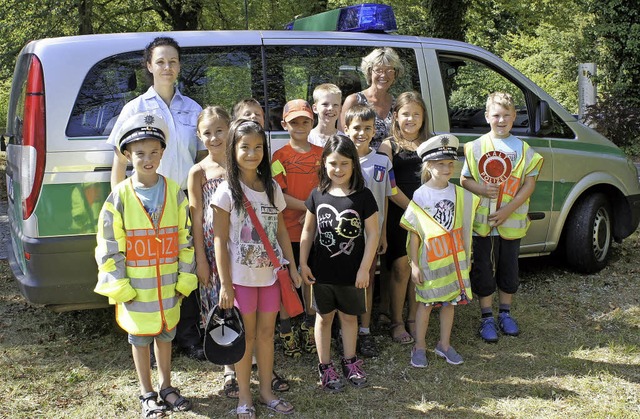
{"type": "Point", "coordinates": [578, 356]}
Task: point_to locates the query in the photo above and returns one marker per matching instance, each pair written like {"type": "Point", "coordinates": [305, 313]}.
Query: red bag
{"type": "Point", "coordinates": [288, 294]}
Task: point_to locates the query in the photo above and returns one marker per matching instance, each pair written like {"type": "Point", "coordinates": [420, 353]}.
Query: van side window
{"type": "Point", "coordinates": [467, 83]}
{"type": "Point", "coordinates": [15, 118]}
{"type": "Point", "coordinates": [210, 76]}
{"type": "Point", "coordinates": [294, 71]}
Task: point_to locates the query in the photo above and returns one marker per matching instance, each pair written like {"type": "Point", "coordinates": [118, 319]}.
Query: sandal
{"type": "Point", "coordinates": [180, 404]}
{"type": "Point", "coordinates": [230, 386]}
{"type": "Point", "coordinates": [279, 384]}
{"type": "Point", "coordinates": [403, 338]}
{"type": "Point", "coordinates": [247, 412]}
{"type": "Point", "coordinates": [150, 406]}
{"type": "Point", "coordinates": [384, 320]}
{"type": "Point", "coordinates": [278, 406]}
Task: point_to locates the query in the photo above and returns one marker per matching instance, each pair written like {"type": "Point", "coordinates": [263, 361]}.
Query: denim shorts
{"type": "Point", "coordinates": [164, 336]}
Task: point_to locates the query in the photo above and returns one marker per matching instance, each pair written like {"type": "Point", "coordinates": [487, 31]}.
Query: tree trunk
{"type": "Point", "coordinates": [85, 11]}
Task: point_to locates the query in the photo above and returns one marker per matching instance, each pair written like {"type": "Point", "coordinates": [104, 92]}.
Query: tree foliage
{"type": "Point", "coordinates": [616, 34]}
{"type": "Point", "coordinates": [545, 39]}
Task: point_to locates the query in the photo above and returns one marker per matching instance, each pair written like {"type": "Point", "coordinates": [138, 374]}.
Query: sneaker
{"type": "Point", "coordinates": [290, 345]}
{"type": "Point", "coordinates": [352, 370]}
{"type": "Point", "coordinates": [488, 330]}
{"type": "Point", "coordinates": [450, 355]}
{"type": "Point", "coordinates": [329, 378]}
{"type": "Point", "coordinates": [367, 345]}
{"type": "Point", "coordinates": [419, 358]}
{"type": "Point", "coordinates": [508, 325]}
{"type": "Point", "coordinates": [308, 339]}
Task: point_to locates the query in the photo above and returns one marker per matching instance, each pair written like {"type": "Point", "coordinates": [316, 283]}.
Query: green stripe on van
{"type": "Point", "coordinates": [562, 144]}
{"type": "Point", "coordinates": [70, 209]}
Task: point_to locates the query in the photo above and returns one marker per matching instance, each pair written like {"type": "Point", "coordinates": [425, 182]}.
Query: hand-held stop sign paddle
{"type": "Point", "coordinates": [494, 167]}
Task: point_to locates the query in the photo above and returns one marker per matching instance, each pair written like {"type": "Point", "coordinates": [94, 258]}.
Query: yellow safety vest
{"type": "Point", "coordinates": [517, 224]}
{"type": "Point", "coordinates": [141, 267]}
{"type": "Point", "coordinates": [444, 256]}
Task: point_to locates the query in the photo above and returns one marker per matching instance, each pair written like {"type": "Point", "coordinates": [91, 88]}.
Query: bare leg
{"type": "Point", "coordinates": [141, 359]}
{"type": "Point", "coordinates": [400, 273]}
{"type": "Point", "coordinates": [243, 367]}
{"type": "Point", "coordinates": [486, 302]}
{"type": "Point", "coordinates": [504, 298]}
{"type": "Point", "coordinates": [423, 313]}
{"type": "Point", "coordinates": [446, 325]}
{"type": "Point", "coordinates": [385, 291]}
{"type": "Point", "coordinates": [163, 357]}
{"type": "Point", "coordinates": [412, 306]}
{"type": "Point", "coordinates": [323, 336]}
{"type": "Point", "coordinates": [264, 352]}
{"type": "Point", "coordinates": [365, 318]}
{"type": "Point", "coordinates": [349, 325]}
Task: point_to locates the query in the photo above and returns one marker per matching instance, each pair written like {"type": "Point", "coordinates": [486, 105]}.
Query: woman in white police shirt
{"type": "Point", "coordinates": [162, 58]}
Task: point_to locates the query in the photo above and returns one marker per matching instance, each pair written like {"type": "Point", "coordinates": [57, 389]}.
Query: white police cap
{"type": "Point", "coordinates": [141, 126]}
{"type": "Point", "coordinates": [439, 147]}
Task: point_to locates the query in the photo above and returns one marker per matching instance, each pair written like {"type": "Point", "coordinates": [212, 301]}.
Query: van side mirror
{"type": "Point", "coordinates": [543, 124]}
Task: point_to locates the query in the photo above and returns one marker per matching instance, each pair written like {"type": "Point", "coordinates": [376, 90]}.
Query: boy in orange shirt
{"type": "Point", "coordinates": [295, 168]}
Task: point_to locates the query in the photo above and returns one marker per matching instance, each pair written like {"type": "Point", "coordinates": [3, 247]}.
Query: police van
{"type": "Point", "coordinates": [67, 93]}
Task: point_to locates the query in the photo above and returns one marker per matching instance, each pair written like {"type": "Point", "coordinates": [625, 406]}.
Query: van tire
{"type": "Point", "coordinates": [588, 239]}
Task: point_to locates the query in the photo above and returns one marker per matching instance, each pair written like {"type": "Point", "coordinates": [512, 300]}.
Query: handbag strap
{"type": "Point", "coordinates": [260, 230]}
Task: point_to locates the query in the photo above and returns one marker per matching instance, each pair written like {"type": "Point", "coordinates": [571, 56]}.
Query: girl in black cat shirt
{"type": "Point", "coordinates": [342, 211]}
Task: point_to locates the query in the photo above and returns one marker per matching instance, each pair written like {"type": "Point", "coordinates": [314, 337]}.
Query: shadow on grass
{"type": "Point", "coordinates": [81, 360]}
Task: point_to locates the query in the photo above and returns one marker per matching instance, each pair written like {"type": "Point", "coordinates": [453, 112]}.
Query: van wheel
{"type": "Point", "coordinates": [588, 240]}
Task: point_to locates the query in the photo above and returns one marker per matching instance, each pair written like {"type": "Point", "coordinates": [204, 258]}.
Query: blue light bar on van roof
{"type": "Point", "coordinates": [369, 17]}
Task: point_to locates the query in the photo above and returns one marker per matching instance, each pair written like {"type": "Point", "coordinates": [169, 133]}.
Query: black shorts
{"type": "Point", "coordinates": [345, 298]}
{"type": "Point", "coordinates": [490, 252]}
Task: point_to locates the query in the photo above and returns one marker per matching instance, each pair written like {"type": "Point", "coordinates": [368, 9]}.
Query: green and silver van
{"type": "Point", "coordinates": [67, 93]}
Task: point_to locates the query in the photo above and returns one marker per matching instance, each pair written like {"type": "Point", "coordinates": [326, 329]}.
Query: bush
{"type": "Point", "coordinates": [618, 119]}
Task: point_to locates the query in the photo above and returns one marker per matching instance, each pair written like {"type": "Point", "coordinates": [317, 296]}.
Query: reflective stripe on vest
{"type": "Point", "coordinates": [444, 256]}
{"type": "Point", "coordinates": [517, 224]}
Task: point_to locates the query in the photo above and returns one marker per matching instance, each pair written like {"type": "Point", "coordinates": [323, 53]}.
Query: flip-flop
{"type": "Point", "coordinates": [278, 406]}
{"type": "Point", "coordinates": [246, 410]}
{"type": "Point", "coordinates": [384, 320]}
{"type": "Point", "coordinates": [403, 338]}
{"type": "Point", "coordinates": [230, 386]}
{"type": "Point", "coordinates": [278, 383]}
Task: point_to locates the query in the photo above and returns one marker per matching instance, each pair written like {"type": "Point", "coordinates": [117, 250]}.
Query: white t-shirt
{"type": "Point", "coordinates": [181, 117]}
{"type": "Point", "coordinates": [438, 203]}
{"type": "Point", "coordinates": [377, 171]}
{"type": "Point", "coordinates": [249, 262]}
{"type": "Point", "coordinates": [317, 139]}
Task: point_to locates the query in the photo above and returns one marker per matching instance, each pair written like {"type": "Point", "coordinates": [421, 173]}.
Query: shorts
{"type": "Point", "coordinates": [164, 336]}
{"type": "Point", "coordinates": [262, 299]}
{"type": "Point", "coordinates": [345, 298]}
{"type": "Point", "coordinates": [503, 254]}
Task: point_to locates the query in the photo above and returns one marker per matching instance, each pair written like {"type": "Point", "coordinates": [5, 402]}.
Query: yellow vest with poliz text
{"type": "Point", "coordinates": [517, 224]}
{"type": "Point", "coordinates": [141, 268]}
{"type": "Point", "coordinates": [444, 256]}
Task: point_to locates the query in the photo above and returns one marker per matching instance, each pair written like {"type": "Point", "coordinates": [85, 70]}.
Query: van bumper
{"type": "Point", "coordinates": [61, 273]}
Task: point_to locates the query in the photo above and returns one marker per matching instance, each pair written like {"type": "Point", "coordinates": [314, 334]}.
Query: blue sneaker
{"type": "Point", "coordinates": [508, 325]}
{"type": "Point", "coordinates": [488, 330]}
